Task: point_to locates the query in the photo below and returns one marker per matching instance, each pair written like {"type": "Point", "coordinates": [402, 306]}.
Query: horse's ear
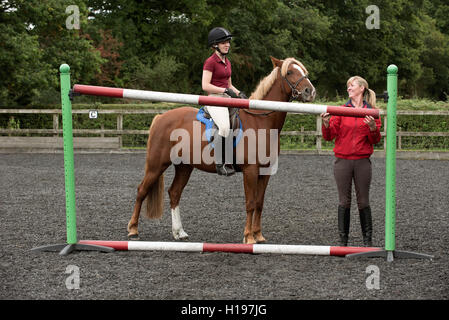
{"type": "Point", "coordinates": [276, 62]}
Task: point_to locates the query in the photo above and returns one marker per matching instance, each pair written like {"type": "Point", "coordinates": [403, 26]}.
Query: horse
{"type": "Point", "coordinates": [287, 81]}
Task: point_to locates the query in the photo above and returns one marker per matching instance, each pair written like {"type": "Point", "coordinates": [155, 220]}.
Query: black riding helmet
{"type": "Point", "coordinates": [217, 35]}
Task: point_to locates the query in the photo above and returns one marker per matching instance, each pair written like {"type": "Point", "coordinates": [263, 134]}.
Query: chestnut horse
{"type": "Point", "coordinates": [287, 81]}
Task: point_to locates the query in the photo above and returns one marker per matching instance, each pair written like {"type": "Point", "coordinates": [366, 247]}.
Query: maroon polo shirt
{"type": "Point", "coordinates": [221, 72]}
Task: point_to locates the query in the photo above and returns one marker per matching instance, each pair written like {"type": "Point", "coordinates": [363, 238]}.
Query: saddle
{"type": "Point", "coordinates": [234, 120]}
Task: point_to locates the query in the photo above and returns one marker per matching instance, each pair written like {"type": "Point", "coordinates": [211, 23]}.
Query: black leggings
{"type": "Point", "coordinates": [358, 170]}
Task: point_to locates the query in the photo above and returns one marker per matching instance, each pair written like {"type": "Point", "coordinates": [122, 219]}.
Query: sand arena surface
{"type": "Point", "coordinates": [300, 208]}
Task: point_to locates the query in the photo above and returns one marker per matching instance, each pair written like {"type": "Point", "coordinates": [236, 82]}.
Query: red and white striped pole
{"type": "Point", "coordinates": [229, 247]}
{"type": "Point", "coordinates": [223, 102]}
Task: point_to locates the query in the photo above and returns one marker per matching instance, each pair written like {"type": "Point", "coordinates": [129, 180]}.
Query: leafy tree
{"type": "Point", "coordinates": [162, 45]}
{"type": "Point", "coordinates": [37, 42]}
{"type": "Point", "coordinates": [434, 80]}
{"type": "Point", "coordinates": [268, 28]}
{"type": "Point", "coordinates": [21, 66]}
{"type": "Point", "coordinates": [109, 48]}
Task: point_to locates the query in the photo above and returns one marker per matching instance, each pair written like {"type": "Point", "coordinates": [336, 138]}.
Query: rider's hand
{"type": "Point", "coordinates": [231, 93]}
{"type": "Point", "coordinates": [242, 95]}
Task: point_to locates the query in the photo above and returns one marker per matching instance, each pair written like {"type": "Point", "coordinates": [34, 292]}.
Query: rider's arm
{"type": "Point", "coordinates": [209, 87]}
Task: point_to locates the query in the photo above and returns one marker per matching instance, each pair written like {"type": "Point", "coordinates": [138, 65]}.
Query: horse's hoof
{"type": "Point", "coordinates": [180, 235]}
{"type": "Point", "coordinates": [260, 239]}
{"type": "Point", "coordinates": [133, 237]}
{"type": "Point", "coordinates": [249, 241]}
{"type": "Point", "coordinates": [182, 238]}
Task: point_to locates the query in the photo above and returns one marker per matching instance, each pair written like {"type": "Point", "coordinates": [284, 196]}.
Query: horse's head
{"type": "Point", "coordinates": [295, 82]}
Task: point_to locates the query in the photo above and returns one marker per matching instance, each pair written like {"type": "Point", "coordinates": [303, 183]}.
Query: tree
{"type": "Point", "coordinates": [36, 42]}
{"type": "Point", "coordinates": [434, 80]}
{"type": "Point", "coordinates": [162, 45]}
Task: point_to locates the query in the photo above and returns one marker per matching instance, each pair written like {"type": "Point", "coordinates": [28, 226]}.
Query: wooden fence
{"type": "Point", "coordinates": [13, 139]}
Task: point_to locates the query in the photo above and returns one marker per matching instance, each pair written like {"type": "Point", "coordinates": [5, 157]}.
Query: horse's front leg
{"type": "Point", "coordinates": [250, 176]}
{"type": "Point", "coordinates": [257, 222]}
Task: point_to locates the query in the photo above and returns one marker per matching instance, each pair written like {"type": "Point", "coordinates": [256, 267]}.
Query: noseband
{"type": "Point", "coordinates": [295, 92]}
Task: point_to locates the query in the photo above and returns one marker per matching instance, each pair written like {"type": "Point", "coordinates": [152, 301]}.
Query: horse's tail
{"type": "Point", "coordinates": [155, 195]}
{"type": "Point", "coordinates": [155, 199]}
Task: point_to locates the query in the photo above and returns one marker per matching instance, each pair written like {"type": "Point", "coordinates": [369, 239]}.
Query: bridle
{"type": "Point", "coordinates": [295, 92]}
{"type": "Point", "coordinates": [294, 95]}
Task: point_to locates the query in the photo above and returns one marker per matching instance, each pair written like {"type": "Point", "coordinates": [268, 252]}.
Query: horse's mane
{"type": "Point", "coordinates": [266, 83]}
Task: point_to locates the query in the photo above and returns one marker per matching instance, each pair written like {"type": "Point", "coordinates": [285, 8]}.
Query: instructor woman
{"type": "Point", "coordinates": [354, 140]}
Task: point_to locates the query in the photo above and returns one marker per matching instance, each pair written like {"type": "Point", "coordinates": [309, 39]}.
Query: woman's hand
{"type": "Point", "coordinates": [369, 120]}
{"type": "Point", "coordinates": [326, 118]}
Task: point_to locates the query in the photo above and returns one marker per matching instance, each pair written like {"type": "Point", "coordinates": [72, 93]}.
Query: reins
{"type": "Point", "coordinates": [259, 114]}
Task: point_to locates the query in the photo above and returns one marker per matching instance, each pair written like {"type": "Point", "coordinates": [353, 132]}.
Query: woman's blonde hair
{"type": "Point", "coordinates": [368, 95]}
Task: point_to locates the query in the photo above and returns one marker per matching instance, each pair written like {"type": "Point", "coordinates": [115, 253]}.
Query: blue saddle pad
{"type": "Point", "coordinates": [209, 123]}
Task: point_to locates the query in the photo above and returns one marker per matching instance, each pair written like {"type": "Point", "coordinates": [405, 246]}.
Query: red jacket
{"type": "Point", "coordinates": [353, 138]}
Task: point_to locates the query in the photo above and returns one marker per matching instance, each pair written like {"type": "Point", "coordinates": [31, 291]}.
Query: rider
{"type": "Point", "coordinates": [216, 81]}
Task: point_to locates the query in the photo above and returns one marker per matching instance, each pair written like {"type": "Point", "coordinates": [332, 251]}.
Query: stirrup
{"type": "Point", "coordinates": [222, 170]}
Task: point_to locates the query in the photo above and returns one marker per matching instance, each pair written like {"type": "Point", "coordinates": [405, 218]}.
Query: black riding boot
{"type": "Point", "coordinates": [223, 169]}
{"type": "Point", "coordinates": [344, 218]}
{"type": "Point", "coordinates": [366, 223]}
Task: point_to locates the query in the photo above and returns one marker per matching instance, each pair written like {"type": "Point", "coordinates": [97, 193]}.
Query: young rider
{"type": "Point", "coordinates": [217, 81]}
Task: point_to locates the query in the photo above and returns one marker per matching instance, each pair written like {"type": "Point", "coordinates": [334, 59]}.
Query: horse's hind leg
{"type": "Point", "coordinates": [182, 175]}
{"type": "Point", "coordinates": [151, 178]}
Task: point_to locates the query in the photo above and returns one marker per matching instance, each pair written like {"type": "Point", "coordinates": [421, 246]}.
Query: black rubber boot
{"type": "Point", "coordinates": [223, 169]}
{"type": "Point", "coordinates": [366, 222]}
{"type": "Point", "coordinates": [344, 218]}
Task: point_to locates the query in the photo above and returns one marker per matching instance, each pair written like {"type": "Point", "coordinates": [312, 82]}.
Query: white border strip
{"type": "Point", "coordinates": [160, 96]}
{"type": "Point", "coordinates": [166, 246]}
{"type": "Point", "coordinates": [292, 249]}
{"type": "Point", "coordinates": [287, 106]}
